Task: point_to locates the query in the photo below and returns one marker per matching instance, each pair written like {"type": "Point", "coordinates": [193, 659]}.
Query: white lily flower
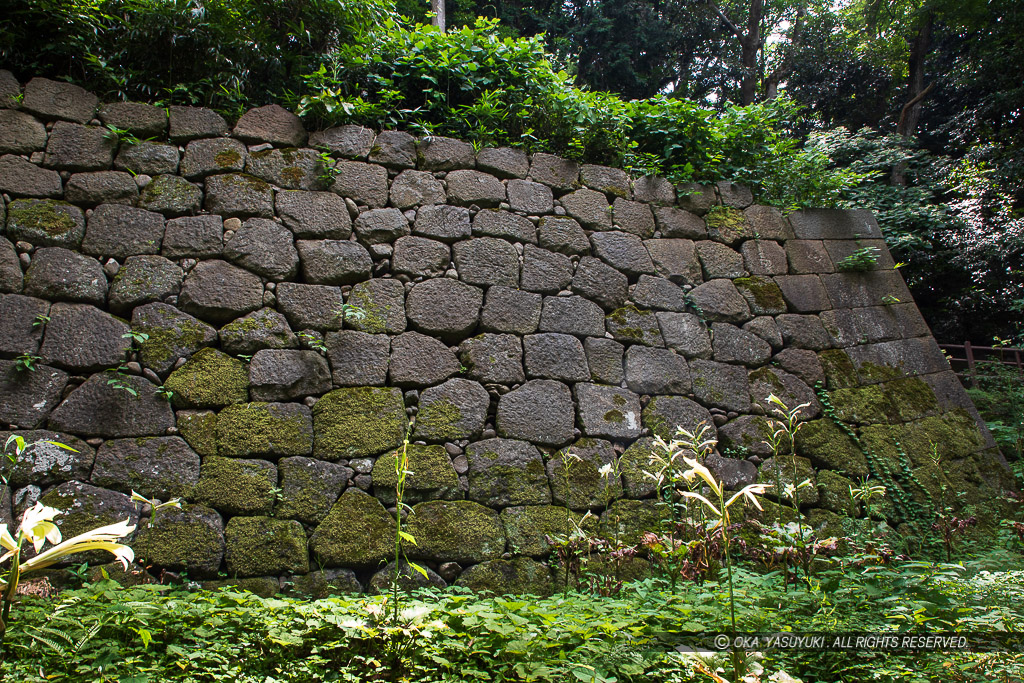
{"type": "Point", "coordinates": [38, 527]}
{"type": "Point", "coordinates": [606, 470]}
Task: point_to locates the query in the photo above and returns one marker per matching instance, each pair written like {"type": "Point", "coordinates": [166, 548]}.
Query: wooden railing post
{"type": "Point", "coordinates": [970, 364]}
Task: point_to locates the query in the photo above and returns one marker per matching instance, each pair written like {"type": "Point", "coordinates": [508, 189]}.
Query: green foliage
{"type": "Point", "coordinates": [859, 261]}
{"type": "Point", "coordinates": [26, 362]}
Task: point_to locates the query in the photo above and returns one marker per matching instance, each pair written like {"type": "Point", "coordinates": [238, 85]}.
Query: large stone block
{"type": "Point", "coordinates": [469, 188]}
{"type": "Point", "coordinates": [505, 472]}
{"type": "Point", "coordinates": [518, 418]}
{"type": "Point", "coordinates": [493, 359]}
{"type": "Point", "coordinates": [659, 294]}
{"type": "Point", "coordinates": [190, 539]}
{"type": "Point", "coordinates": [209, 379]}
{"type": "Point", "coordinates": [261, 546]}
{"type": "Point", "coordinates": [604, 357]}
{"type": "Point", "coordinates": [561, 174]}
{"type": "Point", "coordinates": [633, 217]}
{"type": "Point", "coordinates": [264, 329]}
{"type": "Point", "coordinates": [444, 307]}
{"type": "Point", "coordinates": [142, 280]}
{"type": "Point", "coordinates": [358, 422]}
{"type": "Point", "coordinates": [452, 411]}
{"type": "Point", "coordinates": [357, 532]}
{"type": "Point", "coordinates": [219, 292]}
{"type": "Point", "coordinates": [285, 374]}
{"type": "Point", "coordinates": [45, 223]}
{"type": "Point", "coordinates": [416, 188]}
{"type": "Point", "coordinates": [510, 310]}
{"type": "Point", "coordinates": [102, 187]}
{"type": "Point", "coordinates": [161, 467]}
{"type": "Point", "coordinates": [487, 261]}
{"type": "Point", "coordinates": [349, 141]}
{"type": "Point", "coordinates": [289, 168]}
{"type": "Point", "coordinates": [198, 237]}
{"type": "Point", "coordinates": [84, 507]}
{"type": "Point", "coordinates": [72, 147]}
{"type": "Point", "coordinates": [665, 415]}
{"type": "Point", "coordinates": [599, 282]}
{"type": "Point", "coordinates": [213, 155]}
{"type": "Point", "coordinates": [334, 262]}
{"type": "Point", "coordinates": [419, 360]}
{"type": "Point", "coordinates": [504, 224]}
{"type": "Point", "coordinates": [59, 100]}
{"type": "Point", "coordinates": [576, 478]}
{"type": "Point", "coordinates": [719, 260]}
{"type": "Point", "coordinates": [265, 430]}
{"type": "Point", "coordinates": [309, 488]}
{"type": "Point", "coordinates": [21, 323]}
{"type": "Point", "coordinates": [634, 326]}
{"type": "Point", "coordinates": [358, 358]}
{"type": "Point", "coordinates": [394, 149]}
{"type": "Point", "coordinates": [187, 123]}
{"type": "Point", "coordinates": [171, 335]}
{"type": "Point", "coordinates": [365, 184]}
{"type": "Point", "coordinates": [24, 179]}
{"type": "Point", "coordinates": [82, 338]}
{"type": "Point", "coordinates": [572, 315]}
{"type": "Point", "coordinates": [544, 271]}
{"type": "Point", "coordinates": [530, 197]}
{"type": "Point", "coordinates": [274, 124]}
{"type": "Point", "coordinates": [455, 531]}
{"type": "Point", "coordinates": [720, 385]}
{"type": "Point", "coordinates": [264, 247]}
{"type": "Point", "coordinates": [381, 307]}
{"type": "Point", "coordinates": [608, 412]}
{"type": "Point", "coordinates": [445, 223]}
{"type": "Point", "coordinates": [116, 231]}
{"type": "Point", "coordinates": [20, 133]}
{"type": "Point", "coordinates": [429, 475]}
{"type": "Point", "coordinates": [59, 274]}
{"type": "Point", "coordinates": [437, 153]}
{"type": "Point", "coordinates": [239, 195]}
{"type": "Point", "coordinates": [685, 333]}
{"type": "Point", "coordinates": [589, 208]}
{"type": "Point", "coordinates": [171, 196]}
{"type": "Point", "coordinates": [504, 162]}
{"type": "Point", "coordinates": [380, 226]}
{"type": "Point", "coordinates": [834, 224]}
{"type": "Point", "coordinates": [28, 396]}
{"type": "Point", "coordinates": [564, 235]}
{"type": "Point", "coordinates": [316, 307]}
{"type": "Point", "coordinates": [733, 345]}
{"type": "Point", "coordinates": [98, 408]}
{"type": "Point", "coordinates": [147, 158]}
{"type": "Point", "coordinates": [314, 215]}
{"type": "Point", "coordinates": [720, 301]}
{"type": "Point", "coordinates": [420, 257]}
{"type": "Point", "coordinates": [656, 371]}
{"type": "Point", "coordinates": [623, 252]}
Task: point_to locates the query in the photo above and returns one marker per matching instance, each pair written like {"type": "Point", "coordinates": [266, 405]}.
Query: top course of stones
{"type": "Point", "coordinates": [306, 299]}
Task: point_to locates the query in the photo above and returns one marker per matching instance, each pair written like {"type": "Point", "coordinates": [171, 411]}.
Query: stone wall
{"type": "Point", "coordinates": [292, 321]}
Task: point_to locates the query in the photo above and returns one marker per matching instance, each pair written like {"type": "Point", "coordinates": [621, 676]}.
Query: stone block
{"type": "Point", "coordinates": [720, 385]}
{"type": "Point", "coordinates": [333, 262]}
{"type": "Point", "coordinates": [555, 356]}
{"type": "Point", "coordinates": [28, 396]}
{"type": "Point", "coordinates": [631, 325]}
{"type": "Point", "coordinates": [358, 358]}
{"type": "Point", "coordinates": [274, 124]}
{"type": "Point", "coordinates": [198, 237]}
{"type": "Point", "coordinates": [416, 188]}
{"type": "Point", "coordinates": [219, 292]}
{"type": "Point", "coordinates": [804, 293]}
{"type": "Point", "coordinates": [561, 174]}
{"type": "Point", "coordinates": [20, 133]}
{"type": "Point", "coordinates": [264, 247]}
{"type": "Point", "coordinates": [610, 181]}
{"type": "Point", "coordinates": [764, 257]}
{"type": "Point", "coordinates": [530, 197]}
{"type": "Point", "coordinates": [59, 100]}
{"type": "Point", "coordinates": [82, 338]}
{"type": "Point", "coordinates": [685, 333]}
{"type": "Point", "coordinates": [510, 310]}
{"type": "Point", "coordinates": [834, 224]}
{"type": "Point", "coordinates": [72, 147]}
{"type": "Point", "coordinates": [262, 329]}
{"type": "Point", "coordinates": [455, 531]}
{"type": "Point", "coordinates": [444, 307]}
{"type": "Point", "coordinates": [102, 187]}
{"type": "Point", "coordinates": [576, 478]}
{"type": "Point", "coordinates": [142, 280]}
{"type": "Point", "coordinates": [187, 540]}
{"type": "Point", "coordinates": [357, 532]}
{"type": "Point", "coordinates": [358, 422]}
{"type": "Point", "coordinates": [23, 179]}
{"type": "Point", "coordinates": [589, 208]}
{"type": "Point", "coordinates": [45, 223]}
{"type": "Point", "coordinates": [21, 323]}
{"type": "Point", "coordinates": [544, 271]}
{"type": "Point", "coordinates": [469, 188]}
{"type": "Point", "coordinates": [487, 261]}
{"type": "Point", "coordinates": [147, 158]}
{"type": "Point", "coordinates": [633, 217]}
{"type": "Point", "coordinates": [563, 235]}
{"type": "Point", "coordinates": [658, 294]}
{"type": "Point", "coordinates": [171, 335]}
{"type": "Point", "coordinates": [518, 418]}
{"type": "Point", "coordinates": [382, 306]}
{"type": "Point", "coordinates": [289, 168]}
{"type": "Point", "coordinates": [504, 224]}
{"type": "Point", "coordinates": [665, 415]}
{"type": "Point", "coordinates": [445, 223]}
{"type": "Point", "coordinates": [239, 195]}
{"type": "Point", "coordinates": [571, 315]}
{"type": "Point", "coordinates": [365, 184]}
{"type": "Point", "coordinates": [260, 546]}
{"type": "Point", "coordinates": [115, 231]}
{"type": "Point", "coordinates": [265, 430]}
{"type": "Point", "coordinates": [97, 408]}
{"type": "Point", "coordinates": [719, 261]}
{"type": "Point", "coordinates": [288, 374]}
{"type": "Point", "coordinates": [436, 153]}
{"type": "Point", "coordinates": [419, 360]}
{"type": "Point", "coordinates": [452, 411]}
{"type": "Point", "coordinates": [349, 141]}
{"type": "Point", "coordinates": [140, 119]}
{"type": "Point", "coordinates": [209, 379]}
{"type": "Point", "coordinates": [307, 307]}
{"type": "Point", "coordinates": [493, 359]}
{"type": "Point", "coordinates": [188, 123]}
{"type": "Point", "coordinates": [676, 260]}
{"type": "Point", "coordinates": [656, 371]}
{"type": "Point", "coordinates": [420, 257]}
{"type": "Point", "coordinates": [162, 467]}
{"type": "Point", "coordinates": [504, 162]}
{"type": "Point", "coordinates": [394, 149]}
{"type": "Point", "coordinates": [309, 488]}
{"type": "Point", "coordinates": [62, 275]}
{"type": "Point", "coordinates": [604, 358]}
{"type": "Point", "coordinates": [803, 332]}
{"type": "Point", "coordinates": [608, 412]}
{"type": "Point", "coordinates": [626, 253]}
{"type": "Point", "coordinates": [430, 475]}
{"type": "Point", "coordinates": [654, 190]}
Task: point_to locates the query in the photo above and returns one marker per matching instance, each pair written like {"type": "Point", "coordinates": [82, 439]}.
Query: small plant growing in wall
{"type": "Point", "coordinates": [26, 362]}
{"type": "Point", "coordinates": [859, 261]}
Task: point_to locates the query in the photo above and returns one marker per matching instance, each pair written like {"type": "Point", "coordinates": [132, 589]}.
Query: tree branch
{"type": "Point", "coordinates": [907, 107]}
{"type": "Point", "coordinates": [721, 15]}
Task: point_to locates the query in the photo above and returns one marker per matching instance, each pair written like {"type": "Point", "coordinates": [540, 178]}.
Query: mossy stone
{"type": "Point", "coordinates": [628, 520]}
{"type": "Point", "coordinates": [269, 430]}
{"type": "Point", "coordinates": [309, 487]}
{"type": "Point", "coordinates": [263, 586]}
{"type": "Point", "coordinates": [199, 429]}
{"type": "Point", "coordinates": [634, 464]}
{"type": "Point", "coordinates": [834, 493]}
{"type": "Point", "coordinates": [826, 445]}
{"type": "Point", "coordinates": [864, 405]}
{"type": "Point", "coordinates": [356, 422]}
{"type": "Point", "coordinates": [763, 295]}
{"type": "Point", "coordinates": [839, 369]}
{"type": "Point", "coordinates": [951, 436]}
{"type": "Point", "coordinates": [913, 397]}
{"type": "Point", "coordinates": [518, 576]}
{"type": "Point", "coordinates": [528, 527]}
{"type": "Point", "coordinates": [408, 579]}
{"type": "Point", "coordinates": [45, 223]}
{"type": "Point", "coordinates": [727, 224]}
{"type": "Point", "coordinates": [83, 508]}
{"type": "Point", "coordinates": [632, 325]}
{"type": "Point", "coordinates": [322, 584]}
{"type": "Point", "coordinates": [190, 539]}
{"type": "Point", "coordinates": [237, 487]}
{"type": "Point", "coordinates": [171, 335]}
{"type": "Point", "coordinates": [455, 531]}
{"type": "Point", "coordinates": [209, 379]}
{"type": "Point", "coordinates": [786, 472]}
{"type": "Point", "coordinates": [260, 546]}
{"type": "Point", "coordinates": [358, 532]}
{"type": "Point", "coordinates": [431, 475]}
{"type": "Point", "coordinates": [506, 472]}
{"type": "Point", "coordinates": [586, 487]}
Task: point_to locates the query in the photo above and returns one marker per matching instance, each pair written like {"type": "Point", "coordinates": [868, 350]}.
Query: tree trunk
{"type": "Point", "coordinates": [750, 45]}
{"type": "Point", "coordinates": [437, 7]}
{"type": "Point", "coordinates": [910, 115]}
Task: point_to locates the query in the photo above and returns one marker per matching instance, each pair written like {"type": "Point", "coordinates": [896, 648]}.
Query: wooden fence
{"type": "Point", "coordinates": [966, 359]}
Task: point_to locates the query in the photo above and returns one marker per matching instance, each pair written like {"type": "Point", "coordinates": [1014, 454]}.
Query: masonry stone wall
{"type": "Point", "coordinates": [232, 316]}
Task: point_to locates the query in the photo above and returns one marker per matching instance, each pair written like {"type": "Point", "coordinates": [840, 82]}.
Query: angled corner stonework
{"type": "Point", "coordinates": [291, 322]}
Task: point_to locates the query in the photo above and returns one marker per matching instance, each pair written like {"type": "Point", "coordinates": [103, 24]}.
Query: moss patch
{"type": "Point", "coordinates": [264, 429]}
{"type": "Point", "coordinates": [189, 540]}
{"type": "Point", "coordinates": [839, 369]}
{"type": "Point", "coordinates": [763, 295]}
{"type": "Point", "coordinates": [357, 532]}
{"type": "Point", "coordinates": [528, 527]}
{"type": "Point", "coordinates": [439, 421]}
{"type": "Point", "coordinates": [259, 546]}
{"type": "Point", "coordinates": [827, 446]}
{"type": "Point", "coordinates": [635, 326]}
{"type": "Point", "coordinates": [517, 576]}
{"type": "Point", "coordinates": [455, 531]}
{"type": "Point", "coordinates": [432, 475]}
{"type": "Point", "coordinates": [356, 422]}
{"type": "Point", "coordinates": [27, 218]}
{"type": "Point", "coordinates": [209, 379]}
{"type": "Point", "coordinates": [199, 429]}
{"type": "Point", "coordinates": [237, 487]}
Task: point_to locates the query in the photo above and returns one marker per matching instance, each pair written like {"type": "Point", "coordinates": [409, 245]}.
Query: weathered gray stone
{"type": "Point", "coordinates": [97, 408]}
{"type": "Point", "coordinates": [555, 356]}
{"type": "Point", "coordinates": [506, 225]}
{"type": "Point", "coordinates": [271, 123]}
{"type": "Point", "coordinates": [633, 217]}
{"type": "Point", "coordinates": [381, 226]}
{"type": "Point", "coordinates": [62, 275]}
{"type": "Point", "coordinates": [284, 375]}
{"type": "Point", "coordinates": [307, 307]}
{"type": "Point", "coordinates": [732, 472]}
{"type": "Point", "coordinates": [83, 507]}
{"type": "Point", "coordinates": [314, 215]}
{"type": "Point", "coordinates": [102, 187]}
{"type": "Point", "coordinates": [764, 257]}
{"type": "Point", "coordinates": [510, 310]}
{"type": "Point", "coordinates": [445, 223]}
{"type": "Point", "coordinates": [58, 100]}
{"type": "Point", "coordinates": [148, 158]}
{"type": "Point", "coordinates": [733, 345]}
{"type": "Point", "coordinates": [768, 223]}
{"type": "Point", "coordinates": [487, 261]}
{"type": "Point", "coordinates": [365, 184]}
{"type": "Point", "coordinates": [271, 430]}
{"type": "Point", "coordinates": [162, 467]}
{"type": "Point", "coordinates": [676, 260]}
{"type": "Point", "coordinates": [808, 256]}
{"type": "Point", "coordinates": [213, 155]}
{"type": "Point", "coordinates": [610, 181]}
{"type": "Point", "coordinates": [589, 208]}
{"type": "Point", "coordinates": [429, 475]}
{"type": "Point", "coordinates": [143, 120]}
{"type": "Point", "coordinates": [382, 303]}
{"type": "Point", "coordinates": [239, 195]}
{"type": "Point", "coordinates": [349, 141]}
{"type": "Point", "coordinates": [803, 363]}
{"type": "Point", "coordinates": [734, 194]}
{"type": "Point", "coordinates": [599, 282]}
{"type": "Point", "coordinates": [803, 332]}
{"type": "Point", "coordinates": [544, 271]}
{"type": "Point", "coordinates": [685, 333]}
{"type": "Point", "coordinates": [452, 411]}
{"type": "Point", "coordinates": [904, 356]}
{"type": "Point", "coordinates": [721, 385]}
{"type": "Point", "coordinates": [848, 327]}
{"type": "Point", "coordinates": [209, 379]}
{"type": "Point", "coordinates": [20, 133]}
{"type": "Point", "coordinates": [264, 247]}
{"type": "Point", "coordinates": [190, 539]}
{"type": "Point", "coordinates": [849, 290]}
{"type": "Point", "coordinates": [333, 262]}
{"type": "Point", "coordinates": [504, 162]}
{"type": "Point", "coordinates": [564, 235]}
{"type": "Point", "coordinates": [746, 435]}
{"type": "Point", "coordinates": [766, 328]}
{"type": "Point", "coordinates": [834, 224]}
{"type": "Point", "coordinates": [838, 250]}
{"type": "Point", "coordinates": [530, 197]}
{"type": "Point", "coordinates": [632, 325]}
{"type": "Point", "coordinates": [82, 338]}
{"type": "Point", "coordinates": [665, 415]}
{"type": "Point", "coordinates": [436, 153]}
{"type": "Point", "coordinates": [263, 329]}
{"type": "Point", "coordinates": [673, 222]}
{"type": "Point", "coordinates": [766, 382]}
{"type": "Point", "coordinates": [72, 147]}
{"type": "Point", "coordinates": [518, 418]}
{"type": "Point", "coordinates": [262, 546]}
{"type": "Point", "coordinates": [45, 223]}
{"type": "Point", "coordinates": [415, 188]}
{"type": "Point", "coordinates": [171, 335]}
{"type": "Point", "coordinates": [608, 412]}
{"type": "Point", "coordinates": [28, 396]}
{"type": "Point", "coordinates": [289, 168]}
{"type": "Point", "coordinates": [198, 237]}
{"type": "Point", "coordinates": [572, 315]}
{"type": "Point", "coordinates": [358, 422]}
{"type": "Point", "coordinates": [21, 330]}
{"type": "Point", "coordinates": [418, 360]}
{"type": "Point", "coordinates": [654, 190]}
{"type": "Point", "coordinates": [467, 188]}
{"type": "Point", "coordinates": [444, 307]}
{"type": "Point", "coordinates": [44, 464]}
{"type": "Point", "coordinates": [656, 371]}
{"type": "Point", "coordinates": [561, 174]}
{"type": "Point", "coordinates": [728, 225]}
{"type": "Point", "coordinates": [604, 357]}
{"type": "Point", "coordinates": [121, 231]}
{"type": "Point", "coordinates": [420, 257]}
{"type": "Point", "coordinates": [11, 278]}
{"type": "Point", "coordinates": [625, 253]}
{"type": "Point", "coordinates": [143, 279]}
{"type": "Point", "coordinates": [804, 293]}
{"type": "Point", "coordinates": [218, 292]}
{"type": "Point", "coordinates": [23, 179]}
{"type": "Point", "coordinates": [493, 358]}
{"type": "Point", "coordinates": [576, 481]}
{"type": "Point", "coordinates": [188, 123]}
{"type": "Point", "coordinates": [10, 90]}
{"type": "Point", "coordinates": [659, 294]}
{"type": "Point", "coordinates": [718, 260]}
{"type": "Point", "coordinates": [635, 463]}
{"type": "Point", "coordinates": [720, 301]}
{"type": "Point", "coordinates": [358, 358]}
{"type": "Point", "coordinates": [309, 488]}
{"type": "Point", "coordinates": [696, 198]}
{"type": "Point", "coordinates": [394, 149]}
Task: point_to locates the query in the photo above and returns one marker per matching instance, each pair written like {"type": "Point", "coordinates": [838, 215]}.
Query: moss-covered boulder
{"type": "Point", "coordinates": [834, 493]}
{"type": "Point", "coordinates": [632, 325]}
{"type": "Point", "coordinates": [506, 472]}
{"type": "Point", "coordinates": [528, 527]}
{"type": "Point", "coordinates": [356, 422]}
{"type": "Point", "coordinates": [262, 329]}
{"type": "Point", "coordinates": [322, 584]}
{"type": "Point", "coordinates": [358, 532]}
{"type": "Point", "coordinates": [260, 546]}
{"type": "Point", "coordinates": [727, 224]}
{"type": "Point", "coordinates": [171, 335]}
{"type": "Point", "coordinates": [628, 520]}
{"type": "Point", "coordinates": [263, 586]}
{"type": "Point", "coordinates": [408, 579]}
{"type": "Point", "coordinates": [762, 294]}
{"type": "Point", "coordinates": [431, 476]}
{"type": "Point", "coordinates": [452, 411]}
{"type": "Point", "coordinates": [601, 568]}
{"type": "Point", "coordinates": [634, 465]}
{"type": "Point", "coordinates": [839, 369]}
{"type": "Point", "coordinates": [455, 531]}
{"type": "Point", "coordinates": [199, 429]}
{"type": "Point", "coordinates": [784, 473]}
{"type": "Point", "coordinates": [209, 379]}
{"type": "Point", "coordinates": [269, 430]}
{"type": "Point", "coordinates": [576, 477]}
{"type": "Point", "coordinates": [900, 400]}
{"type": "Point", "coordinates": [237, 487]}
{"type": "Point", "coordinates": [826, 445]}
{"type": "Point", "coordinates": [309, 487]}
{"type": "Point", "coordinates": [518, 576]}
{"type": "Point", "coordinates": [382, 303]}
{"type": "Point", "coordinates": [45, 223]}
{"type": "Point", "coordinates": [84, 507]}
{"type": "Point", "coordinates": [190, 539]}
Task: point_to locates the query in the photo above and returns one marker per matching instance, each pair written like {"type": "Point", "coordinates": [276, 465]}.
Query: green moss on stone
{"type": "Point", "coordinates": [634, 325]}
{"type": "Point", "coordinates": [827, 446]}
{"type": "Point", "coordinates": [432, 475]}
{"type": "Point", "coordinates": [629, 520]}
{"type": "Point", "coordinates": [267, 429]}
{"type": "Point", "coordinates": [528, 527]}
{"type": "Point", "coordinates": [40, 216]}
{"type": "Point", "coordinates": [260, 546]}
{"type": "Point", "coordinates": [358, 532]}
{"type": "Point", "coordinates": [455, 531]}
{"type": "Point", "coordinates": [913, 398]}
{"type": "Point", "coordinates": [227, 157]}
{"type": "Point", "coordinates": [873, 372]}
{"type": "Point", "coordinates": [438, 420]}
{"type": "Point", "coordinates": [167, 343]}
{"type": "Point", "coordinates": [834, 493]}
{"type": "Point", "coordinates": [236, 487]}
{"type": "Point", "coordinates": [199, 429]}
{"type": "Point", "coordinates": [614, 416]}
{"type": "Point", "coordinates": [209, 379]}
{"type": "Point", "coordinates": [518, 576]}
{"type": "Point", "coordinates": [356, 422]}
{"type": "Point", "coordinates": [725, 218]}
{"type": "Point", "coordinates": [763, 293]}
{"type": "Point", "coordinates": [181, 541]}
{"type": "Point", "coordinates": [839, 369]}
{"type": "Point", "coordinates": [263, 586]}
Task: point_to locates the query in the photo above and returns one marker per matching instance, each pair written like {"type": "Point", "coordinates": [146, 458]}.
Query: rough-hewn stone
{"type": "Point", "coordinates": [517, 416]}
{"type": "Point", "coordinates": [451, 411]}
{"type": "Point", "coordinates": [505, 472]}
{"type": "Point", "coordinates": [220, 292]}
